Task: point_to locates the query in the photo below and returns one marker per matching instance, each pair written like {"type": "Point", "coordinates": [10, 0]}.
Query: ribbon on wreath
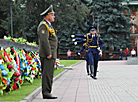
{"type": "Point", "coordinates": [17, 59]}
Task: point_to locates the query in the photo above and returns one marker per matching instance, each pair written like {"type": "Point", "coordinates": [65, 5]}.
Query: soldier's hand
{"type": "Point", "coordinates": [73, 39]}
{"type": "Point", "coordinates": [49, 57]}
{"type": "Point", "coordinates": [98, 48]}
{"type": "Point", "coordinates": [75, 43]}
{"type": "Point", "coordinates": [72, 36]}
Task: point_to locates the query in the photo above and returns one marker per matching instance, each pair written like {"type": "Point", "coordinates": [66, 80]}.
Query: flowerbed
{"type": "Point", "coordinates": [17, 66]}
{"type": "Point", "coordinates": [20, 40]}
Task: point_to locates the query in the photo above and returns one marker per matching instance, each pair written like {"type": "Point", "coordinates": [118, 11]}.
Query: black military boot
{"type": "Point", "coordinates": [92, 70]}
{"type": "Point", "coordinates": [87, 68]}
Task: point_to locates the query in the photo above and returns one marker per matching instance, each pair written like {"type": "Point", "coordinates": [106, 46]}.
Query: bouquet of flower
{"type": "Point", "coordinates": [57, 63]}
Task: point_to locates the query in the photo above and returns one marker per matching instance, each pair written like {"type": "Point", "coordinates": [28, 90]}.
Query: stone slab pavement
{"type": "Point", "coordinates": [117, 82]}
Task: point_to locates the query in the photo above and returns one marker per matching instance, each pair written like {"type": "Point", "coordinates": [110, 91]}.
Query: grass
{"type": "Point", "coordinates": [68, 62]}
{"type": "Point", "coordinates": [27, 88]}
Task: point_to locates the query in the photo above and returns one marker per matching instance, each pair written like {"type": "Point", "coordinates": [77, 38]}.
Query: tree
{"type": "Point", "coordinates": [17, 15]}
{"type": "Point", "coordinates": [114, 28]}
{"type": "Point", "coordinates": [69, 14]}
{"type": "Point", "coordinates": [26, 20]}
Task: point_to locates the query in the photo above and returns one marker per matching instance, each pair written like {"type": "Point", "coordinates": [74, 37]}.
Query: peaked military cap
{"type": "Point", "coordinates": [48, 11]}
{"type": "Point", "coordinates": [92, 28]}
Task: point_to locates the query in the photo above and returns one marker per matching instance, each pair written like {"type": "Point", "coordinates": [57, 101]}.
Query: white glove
{"type": "Point", "coordinates": [75, 43]}
{"type": "Point", "coordinates": [98, 48]}
{"type": "Point", "coordinates": [78, 53]}
{"type": "Point", "coordinates": [73, 39]}
{"type": "Point", "coordinates": [72, 36]}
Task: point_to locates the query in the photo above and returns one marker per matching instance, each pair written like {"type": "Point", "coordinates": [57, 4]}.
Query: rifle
{"type": "Point", "coordinates": [98, 32]}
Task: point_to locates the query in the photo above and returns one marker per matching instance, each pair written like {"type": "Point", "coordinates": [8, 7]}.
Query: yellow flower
{"type": "Point", "coordinates": [4, 81]}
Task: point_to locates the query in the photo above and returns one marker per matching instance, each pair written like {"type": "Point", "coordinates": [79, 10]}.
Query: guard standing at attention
{"type": "Point", "coordinates": [95, 44]}
{"type": "Point", "coordinates": [48, 43]}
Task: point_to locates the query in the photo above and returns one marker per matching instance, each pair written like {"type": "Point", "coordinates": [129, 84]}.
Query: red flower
{"type": "Point", "coordinates": [16, 79]}
{"type": "Point", "coordinates": [15, 74]}
{"type": "Point", "coordinates": [10, 66]}
{"type": "Point", "coordinates": [32, 69]}
{"type": "Point", "coordinates": [20, 81]}
{"type": "Point", "coordinates": [26, 55]}
{"type": "Point", "coordinates": [29, 62]}
{"type": "Point", "coordinates": [33, 56]}
{"type": "Point", "coordinates": [15, 86]}
{"type": "Point", "coordinates": [19, 74]}
{"type": "Point", "coordinates": [29, 58]}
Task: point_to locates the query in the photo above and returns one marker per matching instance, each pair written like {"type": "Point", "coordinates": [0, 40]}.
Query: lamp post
{"type": "Point", "coordinates": [22, 6]}
{"type": "Point", "coordinates": [11, 18]}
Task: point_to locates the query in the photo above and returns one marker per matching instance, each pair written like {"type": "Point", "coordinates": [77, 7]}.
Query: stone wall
{"type": "Point", "coordinates": [6, 43]}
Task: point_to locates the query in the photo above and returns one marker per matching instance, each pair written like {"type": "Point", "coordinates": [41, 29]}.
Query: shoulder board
{"type": "Point", "coordinates": [88, 33]}
{"type": "Point", "coordinates": [51, 31]}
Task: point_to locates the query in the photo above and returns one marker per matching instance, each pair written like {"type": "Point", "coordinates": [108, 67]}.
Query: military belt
{"type": "Point", "coordinates": [93, 46]}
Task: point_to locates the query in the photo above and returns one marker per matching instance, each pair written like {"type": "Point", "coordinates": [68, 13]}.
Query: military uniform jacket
{"type": "Point", "coordinates": [85, 46]}
{"type": "Point", "coordinates": [48, 41]}
{"type": "Point", "coordinates": [92, 42]}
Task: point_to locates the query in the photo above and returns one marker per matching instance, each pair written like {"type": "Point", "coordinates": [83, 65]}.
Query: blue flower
{"type": "Point", "coordinates": [4, 72]}
{"type": "Point", "coordinates": [8, 81]}
{"type": "Point", "coordinates": [29, 67]}
{"type": "Point", "coordinates": [25, 67]}
{"type": "Point", "coordinates": [2, 67]}
{"type": "Point", "coordinates": [25, 74]}
{"type": "Point", "coordinates": [36, 60]}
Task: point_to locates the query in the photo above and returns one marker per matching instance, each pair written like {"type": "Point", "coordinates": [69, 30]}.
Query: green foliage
{"type": "Point", "coordinates": [26, 20]}
{"type": "Point", "coordinates": [114, 28]}
{"type": "Point", "coordinates": [71, 17]}
{"type": "Point", "coordinates": [27, 88]}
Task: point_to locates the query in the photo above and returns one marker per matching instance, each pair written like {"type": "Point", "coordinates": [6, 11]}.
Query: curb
{"type": "Point", "coordinates": [32, 95]}
{"type": "Point", "coordinates": [39, 89]}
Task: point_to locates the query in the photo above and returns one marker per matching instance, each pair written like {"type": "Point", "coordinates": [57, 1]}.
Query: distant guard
{"type": "Point", "coordinates": [95, 44]}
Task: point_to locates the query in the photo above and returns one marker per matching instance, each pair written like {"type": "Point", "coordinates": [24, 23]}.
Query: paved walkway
{"type": "Point", "coordinates": [117, 82]}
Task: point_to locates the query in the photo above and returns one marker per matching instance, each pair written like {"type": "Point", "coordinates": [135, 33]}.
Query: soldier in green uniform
{"type": "Point", "coordinates": [48, 43]}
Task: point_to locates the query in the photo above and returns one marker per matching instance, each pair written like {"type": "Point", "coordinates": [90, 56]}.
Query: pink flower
{"type": "Point", "coordinates": [10, 66]}
{"type": "Point", "coordinates": [15, 74]}
{"type": "Point", "coordinates": [16, 79]}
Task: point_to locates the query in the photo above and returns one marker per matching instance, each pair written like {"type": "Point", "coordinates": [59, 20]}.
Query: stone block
{"type": "Point", "coordinates": [132, 60]}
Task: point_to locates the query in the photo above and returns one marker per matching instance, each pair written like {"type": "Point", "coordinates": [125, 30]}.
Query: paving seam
{"type": "Point", "coordinates": [39, 89]}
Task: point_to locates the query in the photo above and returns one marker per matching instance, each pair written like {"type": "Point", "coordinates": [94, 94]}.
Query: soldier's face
{"type": "Point", "coordinates": [51, 17]}
{"type": "Point", "coordinates": [93, 31]}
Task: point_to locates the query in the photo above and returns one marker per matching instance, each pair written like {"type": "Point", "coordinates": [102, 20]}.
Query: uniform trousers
{"type": "Point", "coordinates": [47, 66]}
{"type": "Point", "coordinates": [87, 58]}
{"type": "Point", "coordinates": [93, 60]}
